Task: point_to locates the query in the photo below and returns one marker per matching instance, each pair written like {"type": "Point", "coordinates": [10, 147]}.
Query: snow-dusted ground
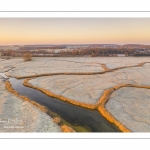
{"type": "Point", "coordinates": [53, 65]}
{"type": "Point", "coordinates": [6, 65]}
{"type": "Point", "coordinates": [17, 115]}
{"type": "Point", "coordinates": [9, 62]}
{"type": "Point", "coordinates": [89, 88]}
{"type": "Point", "coordinates": [131, 106]}
{"type": "Point", "coordinates": [70, 65]}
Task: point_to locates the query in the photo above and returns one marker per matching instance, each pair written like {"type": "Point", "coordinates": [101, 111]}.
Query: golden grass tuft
{"type": "Point", "coordinates": [66, 128]}
{"type": "Point", "coordinates": [27, 57]}
{"type": "Point", "coordinates": [56, 120]}
{"type": "Point", "coordinates": [105, 67]}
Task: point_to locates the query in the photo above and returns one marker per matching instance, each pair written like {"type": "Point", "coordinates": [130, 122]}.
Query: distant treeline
{"type": "Point", "coordinates": [88, 51]}
{"type": "Point", "coordinates": [93, 52]}
{"type": "Point", "coordinates": [41, 47]}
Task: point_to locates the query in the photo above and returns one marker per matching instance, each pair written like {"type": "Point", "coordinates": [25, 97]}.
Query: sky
{"type": "Point", "coordinates": [22, 31]}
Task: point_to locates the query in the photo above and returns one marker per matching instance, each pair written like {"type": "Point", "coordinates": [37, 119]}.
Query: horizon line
{"type": "Point", "coordinates": [73, 44]}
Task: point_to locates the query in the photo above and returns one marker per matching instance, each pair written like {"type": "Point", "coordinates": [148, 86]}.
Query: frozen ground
{"type": "Point", "coordinates": [131, 106]}
{"type": "Point", "coordinates": [17, 115]}
{"type": "Point", "coordinates": [69, 65]}
{"type": "Point", "coordinates": [53, 65]}
{"type": "Point", "coordinates": [89, 88]}
{"type": "Point", "coordinates": [10, 62]}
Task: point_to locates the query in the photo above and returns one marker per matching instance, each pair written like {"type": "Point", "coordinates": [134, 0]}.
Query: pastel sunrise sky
{"type": "Point", "coordinates": [21, 31]}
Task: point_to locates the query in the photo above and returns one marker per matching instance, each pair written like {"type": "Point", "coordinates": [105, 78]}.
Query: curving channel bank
{"type": "Point", "coordinates": [80, 119]}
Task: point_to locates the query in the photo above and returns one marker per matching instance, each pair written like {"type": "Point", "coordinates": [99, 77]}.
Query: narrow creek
{"type": "Point", "coordinates": [90, 120]}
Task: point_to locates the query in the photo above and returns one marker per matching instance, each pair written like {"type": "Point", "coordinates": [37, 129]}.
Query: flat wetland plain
{"type": "Point", "coordinates": [117, 87]}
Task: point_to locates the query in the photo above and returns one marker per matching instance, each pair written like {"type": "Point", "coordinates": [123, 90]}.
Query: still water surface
{"type": "Point", "coordinates": [77, 116]}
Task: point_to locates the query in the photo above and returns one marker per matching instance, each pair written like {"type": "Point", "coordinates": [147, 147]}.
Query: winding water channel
{"type": "Point", "coordinates": [90, 120]}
